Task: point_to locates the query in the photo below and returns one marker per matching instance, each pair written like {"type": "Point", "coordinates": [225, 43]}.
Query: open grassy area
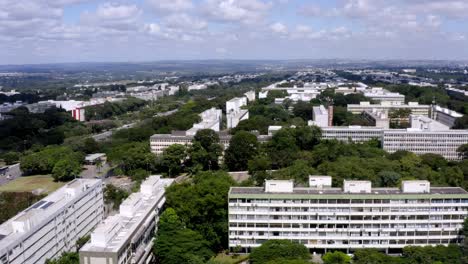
{"type": "Point", "coordinates": [31, 183]}
{"type": "Point", "coordinates": [228, 259]}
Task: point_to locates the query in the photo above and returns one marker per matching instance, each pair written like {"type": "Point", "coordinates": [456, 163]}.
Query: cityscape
{"type": "Point", "coordinates": [233, 132]}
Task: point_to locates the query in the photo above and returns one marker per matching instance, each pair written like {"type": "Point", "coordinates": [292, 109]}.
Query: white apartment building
{"type": "Point", "coordinates": [234, 111]}
{"type": "Point", "coordinates": [419, 141]}
{"type": "Point", "coordinates": [52, 225]}
{"type": "Point", "coordinates": [320, 116]}
{"type": "Point", "coordinates": [445, 115]}
{"type": "Point", "coordinates": [210, 119]}
{"type": "Point", "coordinates": [250, 95]}
{"type": "Point", "coordinates": [127, 237]}
{"type": "Point", "coordinates": [381, 95]}
{"type": "Point", "coordinates": [352, 133]}
{"type": "Point", "coordinates": [415, 107]}
{"type": "Point", "coordinates": [377, 118]}
{"type": "Point", "coordinates": [356, 216]}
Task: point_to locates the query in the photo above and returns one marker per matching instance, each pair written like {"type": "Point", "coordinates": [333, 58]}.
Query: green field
{"type": "Point", "coordinates": [31, 183]}
{"type": "Point", "coordinates": [228, 259]}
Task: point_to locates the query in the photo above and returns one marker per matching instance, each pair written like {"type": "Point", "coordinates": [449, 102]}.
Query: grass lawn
{"type": "Point", "coordinates": [227, 259]}
{"type": "Point", "coordinates": [31, 183]}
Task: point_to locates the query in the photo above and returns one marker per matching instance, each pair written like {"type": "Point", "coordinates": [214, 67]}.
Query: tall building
{"type": "Point", "coordinates": [445, 115]}
{"type": "Point", "coordinates": [210, 119]}
{"type": "Point", "coordinates": [128, 236]}
{"type": "Point", "coordinates": [354, 217]}
{"type": "Point", "coordinates": [52, 225]}
{"type": "Point", "coordinates": [320, 116]}
{"type": "Point", "coordinates": [234, 111]}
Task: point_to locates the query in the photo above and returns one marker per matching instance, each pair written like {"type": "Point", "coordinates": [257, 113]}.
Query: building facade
{"type": "Point", "coordinates": [354, 217]}
{"type": "Point", "coordinates": [128, 236]}
{"type": "Point", "coordinates": [414, 107]}
{"type": "Point", "coordinates": [52, 225]}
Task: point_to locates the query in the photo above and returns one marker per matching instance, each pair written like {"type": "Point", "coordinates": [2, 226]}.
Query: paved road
{"type": "Point", "coordinates": [10, 174]}
{"type": "Point", "coordinates": [105, 135]}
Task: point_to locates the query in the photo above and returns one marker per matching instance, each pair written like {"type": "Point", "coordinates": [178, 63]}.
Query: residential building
{"type": "Point", "coordinates": [128, 236]}
{"type": "Point", "coordinates": [414, 107]}
{"type": "Point", "coordinates": [381, 95]}
{"type": "Point", "coordinates": [377, 118]}
{"type": "Point", "coordinates": [354, 217]}
{"type": "Point", "coordinates": [210, 119]}
{"type": "Point", "coordinates": [250, 96]}
{"type": "Point", "coordinates": [52, 225]}
{"type": "Point", "coordinates": [445, 115]}
{"type": "Point", "coordinates": [352, 133]}
{"type": "Point", "coordinates": [419, 141]}
{"type": "Point", "coordinates": [234, 111]}
{"type": "Point", "coordinates": [320, 116]}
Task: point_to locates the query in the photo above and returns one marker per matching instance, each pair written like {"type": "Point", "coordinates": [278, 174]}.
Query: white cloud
{"type": "Point", "coordinates": [279, 28]}
{"type": "Point", "coordinates": [242, 11]}
{"type": "Point", "coordinates": [171, 5]}
{"type": "Point", "coordinates": [113, 17]}
{"type": "Point", "coordinates": [184, 21]}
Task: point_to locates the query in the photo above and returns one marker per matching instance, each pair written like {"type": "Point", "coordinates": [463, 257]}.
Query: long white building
{"type": "Point", "coordinates": [234, 111]}
{"type": "Point", "coordinates": [52, 225]}
{"type": "Point", "coordinates": [210, 119]}
{"type": "Point", "coordinates": [414, 107]}
{"type": "Point", "coordinates": [354, 217]}
{"type": "Point", "coordinates": [381, 95]}
{"type": "Point", "coordinates": [128, 236]}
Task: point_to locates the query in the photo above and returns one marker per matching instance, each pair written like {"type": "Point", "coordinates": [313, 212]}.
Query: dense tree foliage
{"type": "Point", "coordinates": [243, 146]}
{"type": "Point", "coordinates": [58, 160]}
{"type": "Point", "coordinates": [172, 159]}
{"type": "Point", "coordinates": [279, 250]}
{"type": "Point", "coordinates": [336, 257]}
{"type": "Point", "coordinates": [114, 195]}
{"type": "Point", "coordinates": [202, 206]}
{"type": "Point", "coordinates": [205, 150]}
{"type": "Point", "coordinates": [110, 109]}
{"type": "Point", "coordinates": [27, 129]}
{"type": "Point", "coordinates": [66, 258]}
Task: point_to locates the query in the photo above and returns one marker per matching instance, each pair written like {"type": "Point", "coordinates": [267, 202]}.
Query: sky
{"type": "Point", "coordinates": [50, 31]}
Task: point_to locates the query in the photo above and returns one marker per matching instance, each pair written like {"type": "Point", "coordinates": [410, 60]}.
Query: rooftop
{"type": "Point", "coordinates": [115, 230]}
{"type": "Point", "coordinates": [37, 214]}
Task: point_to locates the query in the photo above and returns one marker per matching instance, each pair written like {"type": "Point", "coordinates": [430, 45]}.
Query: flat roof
{"type": "Point", "coordinates": [37, 214]}
{"type": "Point", "coordinates": [338, 193]}
{"type": "Point", "coordinates": [122, 227]}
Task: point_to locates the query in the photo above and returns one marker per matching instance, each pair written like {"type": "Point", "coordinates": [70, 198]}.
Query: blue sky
{"type": "Point", "coordinates": [44, 31]}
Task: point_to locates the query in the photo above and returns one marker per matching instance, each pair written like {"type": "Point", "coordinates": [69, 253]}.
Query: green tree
{"type": "Point", "coordinates": [243, 146]}
{"type": "Point", "coordinates": [282, 148]}
{"type": "Point", "coordinates": [177, 244]}
{"type": "Point", "coordinates": [307, 137]}
{"type": "Point", "coordinates": [114, 195]}
{"type": "Point", "coordinates": [373, 256]}
{"type": "Point", "coordinates": [279, 249]}
{"type": "Point", "coordinates": [66, 169]}
{"type": "Point", "coordinates": [258, 167]}
{"type": "Point", "coordinates": [11, 157]}
{"type": "Point", "coordinates": [205, 150]}
{"type": "Point", "coordinates": [463, 151]}
{"type": "Point", "coordinates": [336, 257]}
{"type": "Point", "coordinates": [172, 159]}
{"type": "Point", "coordinates": [66, 258]}
{"type": "Point", "coordinates": [202, 205]}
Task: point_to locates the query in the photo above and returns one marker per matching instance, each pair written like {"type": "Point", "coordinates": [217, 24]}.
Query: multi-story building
{"type": "Point", "coordinates": [445, 115]}
{"type": "Point", "coordinates": [419, 141]}
{"type": "Point", "coordinates": [250, 95]}
{"type": "Point", "coordinates": [320, 116]}
{"type": "Point", "coordinates": [382, 95]}
{"type": "Point", "coordinates": [234, 111]}
{"type": "Point", "coordinates": [414, 107]}
{"type": "Point", "coordinates": [377, 118]}
{"type": "Point", "coordinates": [52, 225]}
{"type": "Point", "coordinates": [210, 119]}
{"type": "Point", "coordinates": [352, 133]}
{"type": "Point", "coordinates": [356, 216]}
{"type": "Point", "coordinates": [128, 236]}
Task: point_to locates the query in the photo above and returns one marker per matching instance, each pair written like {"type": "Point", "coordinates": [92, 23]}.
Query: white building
{"type": "Point", "coordinates": [52, 225]}
{"type": "Point", "coordinates": [427, 124]}
{"type": "Point", "coordinates": [210, 119]}
{"type": "Point", "coordinates": [381, 95]}
{"type": "Point", "coordinates": [234, 111]}
{"type": "Point", "coordinates": [445, 115]}
{"type": "Point", "coordinates": [419, 141]}
{"type": "Point", "coordinates": [250, 96]}
{"type": "Point", "coordinates": [415, 107]}
{"type": "Point", "coordinates": [352, 133]}
{"type": "Point", "coordinates": [197, 87]}
{"type": "Point", "coordinates": [377, 118]}
{"type": "Point", "coordinates": [320, 116]}
{"type": "Point", "coordinates": [128, 236]}
{"type": "Point", "coordinates": [357, 216]}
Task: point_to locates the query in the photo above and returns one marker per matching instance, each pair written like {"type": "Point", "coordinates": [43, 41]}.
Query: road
{"type": "Point", "coordinates": [10, 174]}
{"type": "Point", "coordinates": [105, 135]}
